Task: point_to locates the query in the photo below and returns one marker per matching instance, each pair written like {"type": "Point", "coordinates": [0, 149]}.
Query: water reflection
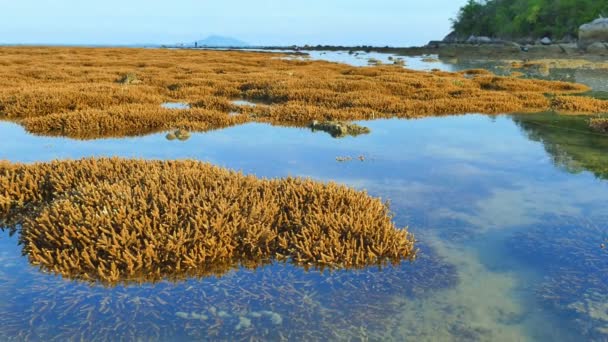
{"type": "Point", "coordinates": [572, 145]}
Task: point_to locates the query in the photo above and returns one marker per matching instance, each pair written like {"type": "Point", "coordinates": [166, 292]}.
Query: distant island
{"type": "Point", "coordinates": [220, 42]}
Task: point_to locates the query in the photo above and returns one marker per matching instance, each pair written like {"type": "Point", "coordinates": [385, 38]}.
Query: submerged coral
{"type": "Point", "coordinates": [76, 93]}
{"type": "Point", "coordinates": [116, 220]}
{"type": "Point", "coordinates": [280, 301]}
{"type": "Point", "coordinates": [599, 124]}
{"type": "Point", "coordinates": [575, 283]}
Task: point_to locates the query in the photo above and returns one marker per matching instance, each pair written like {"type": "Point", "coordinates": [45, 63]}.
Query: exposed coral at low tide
{"type": "Point", "coordinates": [116, 220]}
{"type": "Point", "coordinates": [76, 92]}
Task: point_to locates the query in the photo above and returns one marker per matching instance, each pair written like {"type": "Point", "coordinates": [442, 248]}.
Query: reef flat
{"type": "Point", "coordinates": [101, 92]}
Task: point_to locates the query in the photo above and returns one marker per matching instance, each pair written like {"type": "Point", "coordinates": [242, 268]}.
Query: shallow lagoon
{"type": "Point", "coordinates": [509, 211]}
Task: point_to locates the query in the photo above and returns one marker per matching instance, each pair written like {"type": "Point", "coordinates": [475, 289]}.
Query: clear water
{"type": "Point", "coordinates": [596, 79]}
{"type": "Point", "coordinates": [244, 103]}
{"type": "Point", "coordinates": [362, 58]}
{"type": "Point", "coordinates": [509, 211]}
{"type": "Point", "coordinates": [175, 105]}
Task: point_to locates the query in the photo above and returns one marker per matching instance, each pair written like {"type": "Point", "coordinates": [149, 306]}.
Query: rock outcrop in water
{"type": "Point", "coordinates": [593, 32]}
{"type": "Point", "coordinates": [339, 129]}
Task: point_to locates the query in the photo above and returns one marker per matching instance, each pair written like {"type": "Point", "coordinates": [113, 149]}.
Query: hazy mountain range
{"type": "Point", "coordinates": [219, 41]}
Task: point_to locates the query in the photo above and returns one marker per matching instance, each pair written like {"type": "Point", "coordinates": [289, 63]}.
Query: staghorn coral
{"type": "Point", "coordinates": [579, 104]}
{"type": "Point", "coordinates": [599, 124]}
{"type": "Point", "coordinates": [567, 250]}
{"type": "Point", "coordinates": [74, 91]}
{"type": "Point", "coordinates": [312, 304]}
{"type": "Point", "coordinates": [129, 78]}
{"type": "Point", "coordinates": [116, 220]}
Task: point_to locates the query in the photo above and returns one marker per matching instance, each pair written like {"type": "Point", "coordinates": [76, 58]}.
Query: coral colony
{"type": "Point", "coordinates": [92, 93]}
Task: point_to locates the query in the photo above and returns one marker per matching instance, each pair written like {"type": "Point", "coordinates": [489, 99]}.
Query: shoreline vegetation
{"type": "Point", "coordinates": [526, 21]}
{"type": "Point", "coordinates": [90, 93]}
{"type": "Point", "coordinates": [114, 220]}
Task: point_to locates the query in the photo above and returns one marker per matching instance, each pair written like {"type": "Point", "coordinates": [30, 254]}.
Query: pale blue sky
{"type": "Point", "coordinates": [280, 22]}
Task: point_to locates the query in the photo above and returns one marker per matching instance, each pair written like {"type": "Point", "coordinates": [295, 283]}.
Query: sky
{"type": "Point", "coordinates": [257, 22]}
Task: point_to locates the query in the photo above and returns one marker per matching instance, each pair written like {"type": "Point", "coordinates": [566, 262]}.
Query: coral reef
{"type": "Point", "coordinates": [579, 105]}
{"type": "Point", "coordinates": [129, 78]}
{"type": "Point", "coordinates": [338, 129]}
{"type": "Point", "coordinates": [116, 220]}
{"type": "Point", "coordinates": [599, 124]}
{"type": "Point", "coordinates": [75, 93]}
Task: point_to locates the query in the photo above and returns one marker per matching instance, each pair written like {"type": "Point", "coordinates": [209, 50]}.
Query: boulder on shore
{"type": "Point", "coordinates": [479, 40]}
{"type": "Point", "coordinates": [598, 48]}
{"type": "Point", "coordinates": [546, 41]}
{"type": "Point", "coordinates": [593, 32]}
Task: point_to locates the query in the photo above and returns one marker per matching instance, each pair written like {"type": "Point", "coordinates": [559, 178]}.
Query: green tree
{"type": "Point", "coordinates": [526, 18]}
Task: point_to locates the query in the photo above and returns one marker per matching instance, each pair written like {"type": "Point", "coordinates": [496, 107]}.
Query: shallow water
{"type": "Point", "coordinates": [362, 58]}
{"type": "Point", "coordinates": [596, 79]}
{"type": "Point", "coordinates": [175, 105]}
{"type": "Point", "coordinates": [509, 213]}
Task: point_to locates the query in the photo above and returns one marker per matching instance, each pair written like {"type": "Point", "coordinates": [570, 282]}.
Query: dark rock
{"type": "Point", "coordinates": [598, 48]}
{"type": "Point", "coordinates": [452, 37]}
{"type": "Point", "coordinates": [568, 39]}
{"type": "Point", "coordinates": [479, 40]}
{"type": "Point", "coordinates": [435, 44]}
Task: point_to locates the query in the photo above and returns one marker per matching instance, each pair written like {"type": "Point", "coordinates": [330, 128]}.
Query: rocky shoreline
{"type": "Point", "coordinates": [493, 50]}
{"type": "Point", "coordinates": [591, 44]}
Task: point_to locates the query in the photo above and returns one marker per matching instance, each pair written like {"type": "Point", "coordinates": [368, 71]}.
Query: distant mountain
{"type": "Point", "coordinates": [219, 41]}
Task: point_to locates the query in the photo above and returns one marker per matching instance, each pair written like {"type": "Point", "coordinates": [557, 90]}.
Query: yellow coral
{"type": "Point", "coordinates": [75, 93]}
{"type": "Point", "coordinates": [116, 220]}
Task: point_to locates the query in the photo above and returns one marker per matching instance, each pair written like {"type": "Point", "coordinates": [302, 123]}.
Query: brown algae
{"type": "Point", "coordinates": [117, 220]}
{"type": "Point", "coordinates": [78, 92]}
